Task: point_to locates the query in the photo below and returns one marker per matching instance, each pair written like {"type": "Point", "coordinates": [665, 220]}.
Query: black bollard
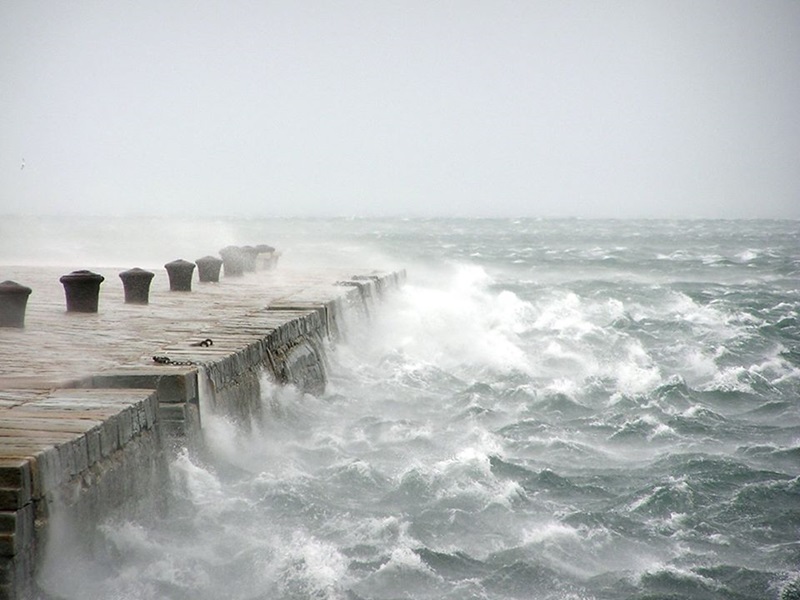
{"type": "Point", "coordinates": [136, 282]}
{"type": "Point", "coordinates": [249, 254]}
{"type": "Point", "coordinates": [232, 261]}
{"type": "Point", "coordinates": [265, 256]}
{"type": "Point", "coordinates": [13, 302]}
{"type": "Point", "coordinates": [82, 289]}
{"type": "Point", "coordinates": [208, 268]}
{"type": "Point", "coordinates": [180, 275]}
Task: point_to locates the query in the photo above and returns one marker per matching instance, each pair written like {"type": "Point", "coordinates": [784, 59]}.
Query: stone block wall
{"type": "Point", "coordinates": [85, 453]}
{"type": "Point", "coordinates": [101, 449]}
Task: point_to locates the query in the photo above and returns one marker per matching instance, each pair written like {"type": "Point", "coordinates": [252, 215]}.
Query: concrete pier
{"type": "Point", "coordinates": [91, 404]}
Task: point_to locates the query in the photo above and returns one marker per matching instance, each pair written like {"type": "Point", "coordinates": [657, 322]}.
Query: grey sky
{"type": "Point", "coordinates": [299, 108]}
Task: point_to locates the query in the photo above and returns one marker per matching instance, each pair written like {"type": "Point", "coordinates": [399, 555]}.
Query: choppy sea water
{"type": "Point", "coordinates": [557, 409]}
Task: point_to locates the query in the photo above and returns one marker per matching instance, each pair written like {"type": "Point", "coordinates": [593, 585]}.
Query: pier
{"type": "Point", "coordinates": [92, 404]}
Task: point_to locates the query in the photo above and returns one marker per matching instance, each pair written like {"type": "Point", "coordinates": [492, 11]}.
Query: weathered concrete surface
{"type": "Point", "coordinates": [85, 451]}
{"type": "Point", "coordinates": [59, 348]}
{"type": "Point", "coordinates": [85, 410]}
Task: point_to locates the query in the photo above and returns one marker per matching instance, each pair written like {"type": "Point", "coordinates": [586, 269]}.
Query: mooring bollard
{"type": "Point", "coordinates": [13, 302]}
{"type": "Point", "coordinates": [232, 261]}
{"type": "Point", "coordinates": [249, 254]}
{"type": "Point", "coordinates": [136, 283]}
{"type": "Point", "coordinates": [265, 254]}
{"type": "Point", "coordinates": [180, 275]}
{"type": "Point", "coordinates": [208, 268]}
{"type": "Point", "coordinates": [82, 289]}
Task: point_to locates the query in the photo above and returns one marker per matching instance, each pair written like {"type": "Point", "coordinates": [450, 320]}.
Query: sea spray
{"type": "Point", "coordinates": [549, 409]}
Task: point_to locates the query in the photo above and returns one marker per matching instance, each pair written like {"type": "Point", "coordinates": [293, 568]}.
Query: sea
{"type": "Point", "coordinates": [550, 409]}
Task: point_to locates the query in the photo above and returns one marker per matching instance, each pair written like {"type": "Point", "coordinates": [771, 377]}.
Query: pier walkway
{"type": "Point", "coordinates": [56, 348]}
{"type": "Point", "coordinates": [85, 410]}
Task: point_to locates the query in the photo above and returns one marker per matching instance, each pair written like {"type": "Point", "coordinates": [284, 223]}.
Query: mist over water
{"type": "Point", "coordinates": [548, 409]}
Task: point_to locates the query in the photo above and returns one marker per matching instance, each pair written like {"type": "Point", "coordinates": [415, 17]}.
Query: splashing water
{"type": "Point", "coordinates": [549, 409]}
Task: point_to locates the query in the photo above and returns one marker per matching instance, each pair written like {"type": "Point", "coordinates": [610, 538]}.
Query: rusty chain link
{"type": "Point", "coordinates": [166, 360]}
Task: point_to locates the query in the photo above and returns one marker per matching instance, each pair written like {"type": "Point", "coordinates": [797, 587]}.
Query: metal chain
{"type": "Point", "coordinates": [166, 360]}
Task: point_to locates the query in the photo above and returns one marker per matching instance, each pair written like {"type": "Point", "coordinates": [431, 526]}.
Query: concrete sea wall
{"type": "Point", "coordinates": [84, 452]}
{"type": "Point", "coordinates": [93, 442]}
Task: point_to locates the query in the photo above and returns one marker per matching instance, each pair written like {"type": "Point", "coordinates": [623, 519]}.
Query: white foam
{"type": "Point", "coordinates": [310, 567]}
{"type": "Point", "coordinates": [566, 315]}
{"type": "Point", "coordinates": [222, 436]}
{"type": "Point", "coordinates": [457, 324]}
{"type": "Point", "coordinates": [380, 532]}
{"type": "Point", "coordinates": [697, 365]}
{"type": "Point", "coordinates": [563, 385]}
{"type": "Point", "coordinates": [199, 485]}
{"type": "Point", "coordinates": [636, 373]}
{"type": "Point", "coordinates": [748, 255]}
{"type": "Point", "coordinates": [729, 379]}
{"type": "Point", "coordinates": [404, 559]}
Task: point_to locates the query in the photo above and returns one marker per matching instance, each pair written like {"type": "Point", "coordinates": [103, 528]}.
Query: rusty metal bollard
{"type": "Point", "coordinates": [82, 289]}
{"type": "Point", "coordinates": [180, 275]}
{"type": "Point", "coordinates": [250, 254]}
{"type": "Point", "coordinates": [264, 255]}
{"type": "Point", "coordinates": [13, 302]}
{"type": "Point", "coordinates": [267, 257]}
{"type": "Point", "coordinates": [136, 282]}
{"type": "Point", "coordinates": [208, 268]}
{"type": "Point", "coordinates": [232, 261]}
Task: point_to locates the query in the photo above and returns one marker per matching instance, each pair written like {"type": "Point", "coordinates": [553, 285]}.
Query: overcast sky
{"type": "Point", "coordinates": [401, 108]}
